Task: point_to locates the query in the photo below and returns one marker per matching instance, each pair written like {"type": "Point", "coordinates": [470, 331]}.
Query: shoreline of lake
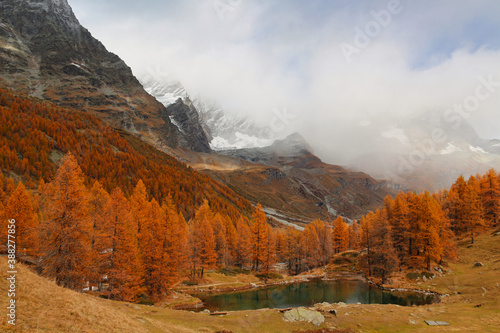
{"type": "Point", "coordinates": [349, 288]}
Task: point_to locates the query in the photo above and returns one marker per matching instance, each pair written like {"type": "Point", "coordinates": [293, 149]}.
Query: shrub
{"type": "Point", "coordinates": [190, 283]}
{"type": "Point", "coordinates": [226, 271]}
{"type": "Point", "coordinates": [413, 275]}
{"type": "Point", "coordinates": [341, 260]}
{"type": "Point", "coordinates": [232, 271]}
{"type": "Point", "coordinates": [145, 300]}
{"type": "Point", "coordinates": [351, 254]}
{"type": "Point", "coordinates": [269, 276]}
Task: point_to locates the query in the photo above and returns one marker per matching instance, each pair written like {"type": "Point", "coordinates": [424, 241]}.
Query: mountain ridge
{"type": "Point", "coordinates": [224, 130]}
{"type": "Point", "coordinates": [46, 53]}
{"type": "Point", "coordinates": [290, 180]}
{"type": "Point", "coordinates": [429, 152]}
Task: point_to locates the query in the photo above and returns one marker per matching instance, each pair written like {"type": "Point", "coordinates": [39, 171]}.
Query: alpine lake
{"type": "Point", "coordinates": [311, 292]}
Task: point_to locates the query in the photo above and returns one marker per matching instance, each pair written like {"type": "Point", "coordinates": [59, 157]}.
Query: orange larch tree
{"type": "Point", "coordinates": [383, 255]}
{"type": "Point", "coordinates": [340, 235]}
{"type": "Point", "coordinates": [311, 246]}
{"type": "Point", "coordinates": [400, 226]}
{"type": "Point", "coordinates": [66, 230]}
{"type": "Point", "coordinates": [100, 215]}
{"type": "Point", "coordinates": [413, 201]}
{"type": "Point", "coordinates": [367, 242]}
{"type": "Point", "coordinates": [280, 245]}
{"type": "Point", "coordinates": [270, 254]}
{"type": "Point", "coordinates": [151, 246]}
{"type": "Point", "coordinates": [221, 244]}
{"type": "Point", "coordinates": [176, 241]}
{"type": "Point", "coordinates": [243, 243]}
{"type": "Point", "coordinates": [324, 233]}
{"type": "Point", "coordinates": [202, 240]}
{"type": "Point", "coordinates": [140, 206]}
{"type": "Point", "coordinates": [428, 235]}
{"type": "Point", "coordinates": [354, 235]}
{"type": "Point", "coordinates": [465, 208]}
{"type": "Point", "coordinates": [490, 196]}
{"type": "Point", "coordinates": [260, 238]}
{"type": "Point", "coordinates": [21, 208]}
{"type": "Point", "coordinates": [473, 216]}
{"type": "Point", "coordinates": [231, 239]}
{"type": "Point", "coordinates": [294, 252]}
{"type": "Point", "coordinates": [124, 270]}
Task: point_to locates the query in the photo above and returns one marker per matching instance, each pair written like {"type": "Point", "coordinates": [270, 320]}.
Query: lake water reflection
{"type": "Point", "coordinates": [308, 293]}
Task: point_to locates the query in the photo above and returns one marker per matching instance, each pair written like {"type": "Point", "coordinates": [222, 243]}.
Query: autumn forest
{"type": "Point", "coordinates": [97, 208]}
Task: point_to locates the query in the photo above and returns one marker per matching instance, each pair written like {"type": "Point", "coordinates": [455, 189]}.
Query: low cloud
{"type": "Point", "coordinates": [257, 56]}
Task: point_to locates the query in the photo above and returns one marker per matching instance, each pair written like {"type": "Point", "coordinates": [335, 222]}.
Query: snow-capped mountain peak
{"type": "Point", "coordinates": [224, 130]}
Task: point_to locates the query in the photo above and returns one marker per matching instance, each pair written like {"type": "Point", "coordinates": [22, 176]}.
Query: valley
{"type": "Point", "coordinates": [226, 166]}
{"type": "Point", "coordinates": [463, 284]}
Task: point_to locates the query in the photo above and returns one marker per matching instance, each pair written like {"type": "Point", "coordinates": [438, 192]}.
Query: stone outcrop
{"type": "Point", "coordinates": [301, 314]}
{"type": "Point", "coordinates": [185, 117]}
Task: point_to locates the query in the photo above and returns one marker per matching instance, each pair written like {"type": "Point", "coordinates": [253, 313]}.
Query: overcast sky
{"type": "Point", "coordinates": [329, 63]}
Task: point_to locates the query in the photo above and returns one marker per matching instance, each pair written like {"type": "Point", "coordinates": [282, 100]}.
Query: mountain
{"type": "Point", "coordinates": [292, 151]}
{"type": "Point", "coordinates": [183, 114]}
{"type": "Point", "coordinates": [292, 183]}
{"type": "Point", "coordinates": [35, 135]}
{"type": "Point", "coordinates": [46, 53]}
{"type": "Point", "coordinates": [224, 130]}
{"type": "Point", "coordinates": [429, 152]}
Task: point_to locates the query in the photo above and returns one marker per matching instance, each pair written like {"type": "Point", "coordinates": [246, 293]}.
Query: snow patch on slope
{"type": "Point", "coordinates": [243, 141]}
{"type": "Point", "coordinates": [176, 124]}
{"type": "Point", "coordinates": [477, 149]}
{"type": "Point", "coordinates": [450, 148]}
{"type": "Point", "coordinates": [167, 93]}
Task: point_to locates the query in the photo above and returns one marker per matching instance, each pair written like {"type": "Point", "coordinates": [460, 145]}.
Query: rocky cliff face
{"type": "Point", "coordinates": [46, 53]}
{"type": "Point", "coordinates": [185, 117]}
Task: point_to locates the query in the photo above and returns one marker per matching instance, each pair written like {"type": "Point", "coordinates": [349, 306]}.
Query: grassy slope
{"type": "Point", "coordinates": [457, 309]}
{"type": "Point", "coordinates": [45, 307]}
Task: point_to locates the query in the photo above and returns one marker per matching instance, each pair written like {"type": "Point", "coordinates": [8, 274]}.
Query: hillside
{"type": "Point", "coordinates": [49, 308]}
{"type": "Point", "coordinates": [46, 53]}
{"type": "Point", "coordinates": [113, 157]}
{"type": "Point", "coordinates": [289, 178]}
{"type": "Point", "coordinates": [56, 59]}
{"type": "Point", "coordinates": [45, 307]}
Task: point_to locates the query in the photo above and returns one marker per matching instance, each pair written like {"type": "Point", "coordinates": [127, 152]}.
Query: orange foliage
{"type": "Point", "coordinates": [125, 272]}
{"type": "Point", "coordinates": [143, 245]}
{"type": "Point", "coordinates": [260, 239]}
{"type": "Point", "coordinates": [66, 228]}
{"type": "Point", "coordinates": [35, 134]}
{"type": "Point", "coordinates": [21, 208]}
{"type": "Point", "coordinates": [202, 240]}
{"type": "Point", "coordinates": [340, 235]}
